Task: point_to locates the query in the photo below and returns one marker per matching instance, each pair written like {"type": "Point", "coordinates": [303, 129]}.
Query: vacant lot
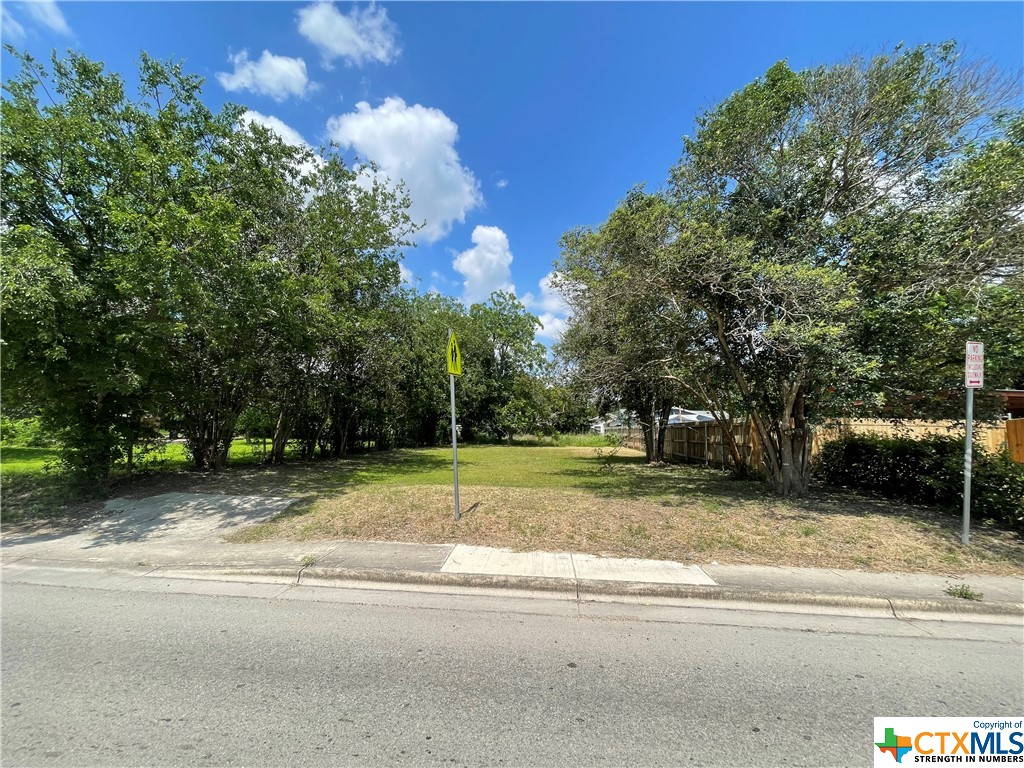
{"type": "Point", "coordinates": [596, 501]}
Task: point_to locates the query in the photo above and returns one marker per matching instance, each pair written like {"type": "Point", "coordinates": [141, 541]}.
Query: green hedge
{"type": "Point", "coordinates": [928, 471]}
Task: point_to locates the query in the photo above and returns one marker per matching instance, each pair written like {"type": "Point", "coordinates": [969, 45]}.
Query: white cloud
{"type": "Point", "coordinates": [47, 13]}
{"type": "Point", "coordinates": [437, 277]}
{"type": "Point", "coordinates": [554, 326]}
{"type": "Point", "coordinates": [485, 267]}
{"type": "Point", "coordinates": [43, 13]}
{"type": "Point", "coordinates": [416, 145]}
{"type": "Point", "coordinates": [549, 301]}
{"type": "Point", "coordinates": [406, 274]}
{"type": "Point", "coordinates": [501, 183]}
{"type": "Point", "coordinates": [365, 34]}
{"type": "Point", "coordinates": [287, 134]}
{"type": "Point", "coordinates": [276, 76]}
{"type": "Point", "coordinates": [10, 28]}
{"type": "Point", "coordinates": [550, 308]}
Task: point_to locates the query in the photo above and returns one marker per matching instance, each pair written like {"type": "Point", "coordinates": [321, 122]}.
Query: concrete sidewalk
{"type": "Point", "coordinates": [181, 536]}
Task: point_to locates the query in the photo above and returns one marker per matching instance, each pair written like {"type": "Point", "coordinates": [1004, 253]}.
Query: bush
{"type": "Point", "coordinates": [928, 471]}
{"type": "Point", "coordinates": [27, 433]}
{"type": "Point", "coordinates": [586, 440]}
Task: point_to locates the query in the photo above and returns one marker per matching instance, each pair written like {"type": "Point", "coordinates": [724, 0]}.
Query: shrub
{"type": "Point", "coordinates": [928, 471]}
{"type": "Point", "coordinates": [27, 433]}
{"type": "Point", "coordinates": [586, 440]}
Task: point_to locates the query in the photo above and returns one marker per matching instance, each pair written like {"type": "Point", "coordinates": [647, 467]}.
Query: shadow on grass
{"type": "Point", "coordinates": [45, 497]}
{"type": "Point", "coordinates": [401, 463]}
{"type": "Point", "coordinates": [17, 455]}
{"type": "Point", "coordinates": [37, 495]}
{"type": "Point", "coordinates": [677, 484]}
{"type": "Point", "coordinates": [996, 539]}
{"type": "Point", "coordinates": [30, 498]}
{"type": "Point", "coordinates": [631, 477]}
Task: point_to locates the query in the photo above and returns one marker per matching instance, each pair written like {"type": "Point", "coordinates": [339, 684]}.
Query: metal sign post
{"type": "Point", "coordinates": [454, 369]}
{"type": "Point", "coordinates": [974, 378]}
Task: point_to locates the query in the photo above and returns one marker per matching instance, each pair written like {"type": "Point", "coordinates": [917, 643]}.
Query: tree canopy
{"type": "Point", "coordinates": [171, 268]}
{"type": "Point", "coordinates": [828, 241]}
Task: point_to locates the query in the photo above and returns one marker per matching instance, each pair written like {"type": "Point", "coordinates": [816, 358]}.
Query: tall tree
{"type": "Point", "coordinates": [330, 350]}
{"type": "Point", "coordinates": [512, 361]}
{"type": "Point", "coordinates": [795, 173]}
{"type": "Point", "coordinates": [98, 189]}
{"type": "Point", "coordinates": [235, 298]}
{"type": "Point", "coordinates": [829, 240]}
{"type": "Point", "coordinates": [618, 340]}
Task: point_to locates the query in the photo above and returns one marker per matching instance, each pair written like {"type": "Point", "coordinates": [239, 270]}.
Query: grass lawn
{"type": "Point", "coordinates": [585, 499]}
{"type": "Point", "coordinates": [26, 461]}
{"type": "Point", "coordinates": [33, 486]}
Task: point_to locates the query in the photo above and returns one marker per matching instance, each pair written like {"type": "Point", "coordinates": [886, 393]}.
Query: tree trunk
{"type": "Point", "coordinates": [802, 437]}
{"type": "Point", "coordinates": [659, 450]}
{"type": "Point", "coordinates": [282, 431]}
{"type": "Point", "coordinates": [786, 448]}
{"type": "Point", "coordinates": [648, 431]}
{"type": "Point", "coordinates": [202, 437]}
{"type": "Point", "coordinates": [340, 446]}
{"type": "Point", "coordinates": [224, 448]}
{"type": "Point", "coordinates": [736, 463]}
{"type": "Point", "coordinates": [769, 449]}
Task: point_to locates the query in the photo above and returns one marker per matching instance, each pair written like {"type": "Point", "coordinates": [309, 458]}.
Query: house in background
{"type": "Point", "coordinates": [1013, 402]}
{"type": "Point", "coordinates": [687, 416]}
{"type": "Point", "coordinates": [678, 415]}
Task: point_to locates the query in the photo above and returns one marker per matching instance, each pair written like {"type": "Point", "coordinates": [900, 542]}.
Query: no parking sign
{"type": "Point", "coordinates": [974, 365]}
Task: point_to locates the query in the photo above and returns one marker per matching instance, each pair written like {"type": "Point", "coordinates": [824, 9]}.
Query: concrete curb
{"type": "Point", "coordinates": [584, 588]}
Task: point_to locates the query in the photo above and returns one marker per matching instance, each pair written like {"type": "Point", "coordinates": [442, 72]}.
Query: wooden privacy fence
{"type": "Point", "coordinates": [703, 443]}
{"type": "Point", "coordinates": [1015, 439]}
{"type": "Point", "coordinates": [698, 443]}
{"type": "Point", "coordinates": [991, 438]}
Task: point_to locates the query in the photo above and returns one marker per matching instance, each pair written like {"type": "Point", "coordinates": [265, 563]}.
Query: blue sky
{"type": "Point", "coordinates": [510, 122]}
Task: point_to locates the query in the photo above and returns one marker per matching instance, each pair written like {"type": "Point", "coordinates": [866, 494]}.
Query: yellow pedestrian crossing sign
{"type": "Point", "coordinates": [454, 357]}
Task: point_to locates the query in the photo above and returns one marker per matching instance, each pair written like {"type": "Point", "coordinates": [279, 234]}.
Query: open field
{"type": "Point", "coordinates": [593, 500]}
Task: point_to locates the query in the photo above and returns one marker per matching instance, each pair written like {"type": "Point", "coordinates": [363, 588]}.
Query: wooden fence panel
{"type": "Point", "coordinates": [704, 443]}
{"type": "Point", "coordinates": [991, 438]}
{"type": "Point", "coordinates": [1015, 439]}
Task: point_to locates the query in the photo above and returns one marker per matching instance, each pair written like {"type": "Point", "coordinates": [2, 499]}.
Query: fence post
{"type": "Point", "coordinates": [754, 462]}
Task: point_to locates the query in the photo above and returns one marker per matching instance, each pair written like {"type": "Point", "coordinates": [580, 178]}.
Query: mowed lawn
{"type": "Point", "coordinates": [529, 497]}
{"type": "Point", "coordinates": [599, 502]}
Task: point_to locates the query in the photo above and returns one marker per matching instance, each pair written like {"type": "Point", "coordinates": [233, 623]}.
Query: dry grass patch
{"type": "Point", "coordinates": [676, 513]}
{"type": "Point", "coordinates": [579, 499]}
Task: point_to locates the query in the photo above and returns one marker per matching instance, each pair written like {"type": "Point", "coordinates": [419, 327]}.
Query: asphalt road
{"type": "Point", "coordinates": [106, 677]}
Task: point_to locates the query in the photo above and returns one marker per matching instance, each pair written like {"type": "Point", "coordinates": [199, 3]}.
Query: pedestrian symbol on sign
{"type": "Point", "coordinates": [454, 357]}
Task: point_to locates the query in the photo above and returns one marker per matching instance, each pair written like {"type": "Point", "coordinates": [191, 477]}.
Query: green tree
{"type": "Point", "coordinates": [571, 409]}
{"type": "Point", "coordinates": [234, 295]}
{"type": "Point", "coordinates": [618, 340]}
{"type": "Point", "coordinates": [331, 351]}
{"type": "Point", "coordinates": [98, 189]}
{"type": "Point", "coordinates": [527, 411]}
{"type": "Point", "coordinates": [510, 362]}
{"type": "Point", "coordinates": [798, 180]}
